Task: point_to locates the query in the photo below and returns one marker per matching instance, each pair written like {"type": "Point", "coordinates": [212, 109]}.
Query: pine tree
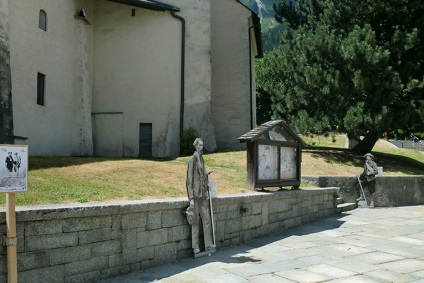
{"type": "Point", "coordinates": [352, 65]}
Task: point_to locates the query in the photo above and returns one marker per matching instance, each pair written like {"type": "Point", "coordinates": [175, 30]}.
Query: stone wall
{"type": "Point", "coordinates": [88, 242]}
{"type": "Point", "coordinates": [409, 144]}
{"type": "Point", "coordinates": [390, 190]}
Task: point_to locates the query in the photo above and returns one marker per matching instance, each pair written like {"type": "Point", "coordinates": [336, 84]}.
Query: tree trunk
{"type": "Point", "coordinates": [367, 144]}
{"type": "Point", "coordinates": [6, 113]}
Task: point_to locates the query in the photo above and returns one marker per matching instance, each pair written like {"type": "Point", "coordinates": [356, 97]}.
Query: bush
{"type": "Point", "coordinates": [186, 141]}
{"type": "Point", "coordinates": [400, 134]}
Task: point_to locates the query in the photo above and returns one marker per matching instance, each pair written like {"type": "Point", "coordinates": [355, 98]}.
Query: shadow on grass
{"type": "Point", "coordinates": [45, 162]}
{"type": "Point", "coordinates": [389, 162]}
{"type": "Point", "coordinates": [400, 163]}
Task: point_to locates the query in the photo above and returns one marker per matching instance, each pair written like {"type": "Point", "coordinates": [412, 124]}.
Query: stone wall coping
{"type": "Point", "coordinates": [90, 209]}
{"type": "Point", "coordinates": [390, 190]}
{"type": "Point", "coordinates": [353, 176]}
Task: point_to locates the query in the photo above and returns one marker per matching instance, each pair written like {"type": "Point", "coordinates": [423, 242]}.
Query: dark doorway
{"type": "Point", "coordinates": [145, 148]}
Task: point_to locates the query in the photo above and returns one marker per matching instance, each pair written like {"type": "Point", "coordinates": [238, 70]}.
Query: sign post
{"type": "Point", "coordinates": [12, 270]}
{"type": "Point", "coordinates": [13, 179]}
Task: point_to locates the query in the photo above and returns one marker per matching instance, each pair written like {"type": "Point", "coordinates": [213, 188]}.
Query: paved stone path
{"type": "Point", "coordinates": [363, 245]}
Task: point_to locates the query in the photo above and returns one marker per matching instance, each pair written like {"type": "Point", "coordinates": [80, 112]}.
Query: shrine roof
{"type": "Point", "coordinates": [263, 129]}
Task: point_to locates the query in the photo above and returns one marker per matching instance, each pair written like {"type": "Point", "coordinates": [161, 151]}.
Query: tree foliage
{"type": "Point", "coordinates": [186, 141]}
{"type": "Point", "coordinates": [6, 110]}
{"type": "Point", "coordinates": [354, 65]}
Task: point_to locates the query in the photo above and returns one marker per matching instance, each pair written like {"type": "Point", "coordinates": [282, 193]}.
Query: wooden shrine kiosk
{"type": "Point", "coordinates": [273, 156]}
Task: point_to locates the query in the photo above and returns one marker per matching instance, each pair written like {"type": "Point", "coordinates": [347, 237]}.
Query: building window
{"type": "Point", "coordinates": [42, 20]}
{"type": "Point", "coordinates": [41, 83]}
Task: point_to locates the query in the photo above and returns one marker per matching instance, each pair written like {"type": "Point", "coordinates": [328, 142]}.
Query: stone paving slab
{"type": "Point", "coordinates": [391, 276]}
{"type": "Point", "coordinates": [404, 266]}
{"type": "Point", "coordinates": [353, 265]}
{"type": "Point", "coordinates": [330, 271]}
{"type": "Point", "coordinates": [364, 245]}
{"type": "Point", "coordinates": [354, 279]}
{"type": "Point", "coordinates": [375, 258]}
{"type": "Point", "coordinates": [269, 278]}
{"type": "Point", "coordinates": [301, 275]}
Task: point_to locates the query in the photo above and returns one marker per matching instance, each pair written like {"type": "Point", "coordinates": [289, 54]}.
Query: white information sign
{"type": "Point", "coordinates": [213, 188]}
{"type": "Point", "coordinates": [13, 168]}
{"type": "Point", "coordinates": [288, 163]}
{"type": "Point", "coordinates": [267, 162]}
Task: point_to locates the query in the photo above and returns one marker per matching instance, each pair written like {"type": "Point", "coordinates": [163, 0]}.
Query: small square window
{"type": "Point", "coordinates": [41, 83]}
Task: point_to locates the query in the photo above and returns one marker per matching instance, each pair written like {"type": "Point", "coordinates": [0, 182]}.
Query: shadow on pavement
{"type": "Point", "coordinates": [237, 254]}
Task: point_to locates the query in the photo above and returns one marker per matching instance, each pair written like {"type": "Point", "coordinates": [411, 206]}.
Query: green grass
{"type": "Point", "coordinates": [54, 180]}
{"type": "Point", "coordinates": [395, 161]}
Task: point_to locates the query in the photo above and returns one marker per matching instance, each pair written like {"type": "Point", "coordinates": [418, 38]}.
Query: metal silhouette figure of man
{"type": "Point", "coordinates": [198, 194]}
{"type": "Point", "coordinates": [368, 176]}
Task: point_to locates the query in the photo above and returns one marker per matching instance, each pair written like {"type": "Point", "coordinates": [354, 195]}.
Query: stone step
{"type": "Point", "coordinates": [339, 200]}
{"type": "Point", "coordinates": [346, 207]}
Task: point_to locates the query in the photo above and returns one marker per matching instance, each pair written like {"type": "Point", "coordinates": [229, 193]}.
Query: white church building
{"type": "Point", "coordinates": [126, 77]}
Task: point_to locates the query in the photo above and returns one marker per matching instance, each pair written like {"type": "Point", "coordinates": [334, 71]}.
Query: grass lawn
{"type": "Point", "coordinates": [54, 180]}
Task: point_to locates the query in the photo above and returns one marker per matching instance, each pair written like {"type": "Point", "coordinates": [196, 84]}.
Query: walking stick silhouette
{"type": "Point", "coordinates": [210, 204]}
{"type": "Point", "coordinates": [362, 189]}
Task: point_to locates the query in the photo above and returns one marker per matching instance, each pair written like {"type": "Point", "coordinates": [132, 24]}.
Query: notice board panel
{"type": "Point", "coordinates": [267, 162]}
{"type": "Point", "coordinates": [288, 163]}
{"type": "Point", "coordinates": [13, 168]}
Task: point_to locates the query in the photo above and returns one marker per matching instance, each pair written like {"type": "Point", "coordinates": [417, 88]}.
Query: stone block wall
{"type": "Point", "coordinates": [389, 190]}
{"type": "Point", "coordinates": [409, 144]}
{"type": "Point", "coordinates": [348, 185]}
{"type": "Point", "coordinates": [88, 242]}
{"type": "Point", "coordinates": [399, 191]}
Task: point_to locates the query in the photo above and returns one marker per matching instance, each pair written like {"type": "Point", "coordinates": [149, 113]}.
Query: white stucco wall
{"type": "Point", "coordinates": [137, 72]}
{"type": "Point", "coordinates": [198, 112]}
{"type": "Point", "coordinates": [230, 72]}
{"type": "Point", "coordinates": [128, 65]}
{"type": "Point", "coordinates": [50, 129]}
{"type": "Point", "coordinates": [108, 134]}
{"type": "Point", "coordinates": [144, 62]}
